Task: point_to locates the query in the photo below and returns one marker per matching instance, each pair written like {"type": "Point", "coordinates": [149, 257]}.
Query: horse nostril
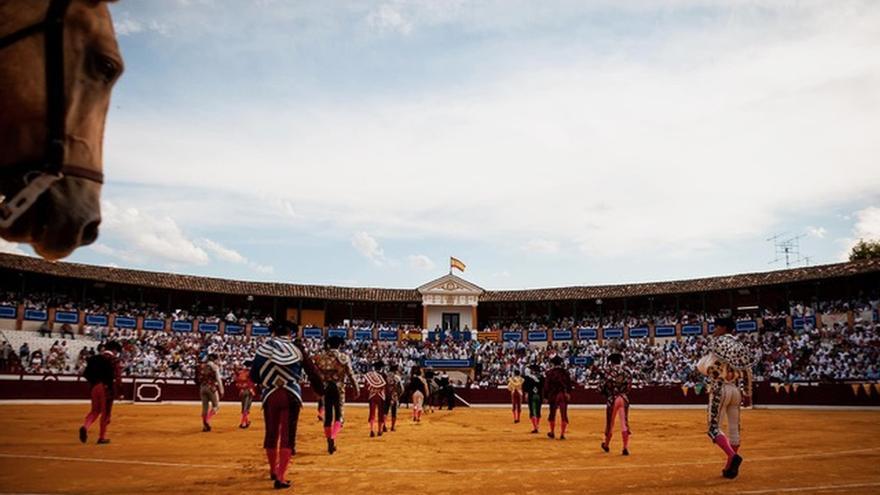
{"type": "Point", "coordinates": [89, 233]}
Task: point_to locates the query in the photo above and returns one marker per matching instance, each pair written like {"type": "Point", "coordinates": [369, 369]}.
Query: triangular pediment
{"type": "Point", "coordinates": [450, 284]}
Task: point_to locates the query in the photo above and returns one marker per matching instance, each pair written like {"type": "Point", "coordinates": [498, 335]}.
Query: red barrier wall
{"type": "Point", "coordinates": [161, 389]}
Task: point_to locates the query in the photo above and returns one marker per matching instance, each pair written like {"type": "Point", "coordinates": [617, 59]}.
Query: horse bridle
{"type": "Point", "coordinates": [38, 176]}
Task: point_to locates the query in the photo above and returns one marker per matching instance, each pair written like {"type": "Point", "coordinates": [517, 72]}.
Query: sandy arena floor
{"type": "Point", "coordinates": [161, 449]}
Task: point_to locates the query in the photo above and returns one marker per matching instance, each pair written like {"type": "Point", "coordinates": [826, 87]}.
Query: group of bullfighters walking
{"type": "Point", "coordinates": [280, 363]}
{"type": "Point", "coordinates": [278, 368]}
{"type": "Point", "coordinates": [727, 366]}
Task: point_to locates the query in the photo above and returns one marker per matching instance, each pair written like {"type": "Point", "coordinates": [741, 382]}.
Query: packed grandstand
{"type": "Point", "coordinates": [818, 324]}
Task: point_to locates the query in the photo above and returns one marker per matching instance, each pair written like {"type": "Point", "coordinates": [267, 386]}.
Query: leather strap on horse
{"type": "Point", "coordinates": [56, 109]}
{"type": "Point", "coordinates": [38, 177]}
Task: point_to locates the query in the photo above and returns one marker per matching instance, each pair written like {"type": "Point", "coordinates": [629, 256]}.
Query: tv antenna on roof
{"type": "Point", "coordinates": [788, 249]}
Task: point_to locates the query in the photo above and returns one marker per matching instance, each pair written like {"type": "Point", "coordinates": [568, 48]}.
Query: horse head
{"type": "Point", "coordinates": [56, 75]}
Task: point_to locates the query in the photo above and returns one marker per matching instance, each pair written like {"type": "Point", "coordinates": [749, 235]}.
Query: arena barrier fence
{"type": "Point", "coordinates": [145, 389]}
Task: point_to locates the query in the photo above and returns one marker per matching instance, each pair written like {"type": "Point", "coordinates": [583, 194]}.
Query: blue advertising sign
{"type": "Point", "coordinates": [587, 334]}
{"type": "Point", "coordinates": [338, 332]}
{"type": "Point", "coordinates": [746, 326]}
{"type": "Point", "coordinates": [447, 363]}
{"type": "Point", "coordinates": [35, 315]}
{"type": "Point", "coordinates": [511, 336]}
{"type": "Point", "coordinates": [8, 312]}
{"type": "Point", "coordinates": [582, 360]}
{"type": "Point", "coordinates": [694, 329]}
{"type": "Point", "coordinates": [67, 317]}
{"type": "Point", "coordinates": [97, 320]}
{"type": "Point", "coordinates": [181, 326]}
{"type": "Point", "coordinates": [612, 333]}
{"type": "Point", "coordinates": [154, 324]}
{"type": "Point", "coordinates": [638, 333]}
{"type": "Point", "coordinates": [312, 333]}
{"type": "Point", "coordinates": [562, 335]}
{"type": "Point", "coordinates": [209, 327]}
{"type": "Point", "coordinates": [664, 331]}
{"type": "Point", "coordinates": [260, 331]}
{"type": "Point", "coordinates": [124, 322]}
{"type": "Point", "coordinates": [799, 323]}
{"type": "Point", "coordinates": [538, 336]}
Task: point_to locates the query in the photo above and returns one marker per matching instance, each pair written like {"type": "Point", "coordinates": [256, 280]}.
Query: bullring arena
{"type": "Point", "coordinates": [814, 428]}
{"type": "Point", "coordinates": [158, 449]}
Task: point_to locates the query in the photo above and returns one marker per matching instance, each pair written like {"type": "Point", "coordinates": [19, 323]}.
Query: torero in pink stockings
{"type": "Point", "coordinates": [616, 382]}
{"type": "Point", "coordinates": [728, 366]}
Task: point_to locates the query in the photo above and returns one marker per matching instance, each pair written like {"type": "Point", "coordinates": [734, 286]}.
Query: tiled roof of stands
{"type": "Point", "coordinates": [328, 292]}
{"type": "Point", "coordinates": [740, 281]}
{"type": "Point", "coordinates": [175, 281]}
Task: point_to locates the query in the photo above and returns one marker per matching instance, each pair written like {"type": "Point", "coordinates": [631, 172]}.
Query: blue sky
{"type": "Point", "coordinates": [543, 143]}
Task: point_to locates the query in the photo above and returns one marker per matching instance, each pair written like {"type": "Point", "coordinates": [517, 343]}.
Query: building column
{"type": "Point", "coordinates": [425, 317]}
{"type": "Point", "coordinates": [474, 324]}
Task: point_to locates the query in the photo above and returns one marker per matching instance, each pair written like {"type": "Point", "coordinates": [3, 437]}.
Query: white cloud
{"type": "Point", "coordinates": [541, 246]}
{"type": "Point", "coordinates": [421, 262]}
{"type": "Point", "coordinates": [229, 255]}
{"type": "Point", "coordinates": [223, 253]}
{"type": "Point", "coordinates": [818, 232]}
{"type": "Point", "coordinates": [159, 27]}
{"type": "Point", "coordinates": [368, 247]}
{"type": "Point", "coordinates": [867, 227]}
{"type": "Point", "coordinates": [696, 133]}
{"type": "Point", "coordinates": [124, 25]}
{"type": "Point", "coordinates": [148, 237]}
{"type": "Point", "coordinates": [868, 223]}
{"type": "Point", "coordinates": [145, 236]}
{"type": "Point", "coordinates": [264, 269]}
{"type": "Point", "coordinates": [105, 250]}
{"type": "Point", "coordinates": [12, 248]}
{"type": "Point", "coordinates": [387, 18]}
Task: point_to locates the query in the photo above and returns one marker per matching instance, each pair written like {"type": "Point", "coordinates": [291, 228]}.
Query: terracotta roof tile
{"type": "Point", "coordinates": [204, 284]}
{"type": "Point", "coordinates": [328, 292]}
{"type": "Point", "coordinates": [744, 280]}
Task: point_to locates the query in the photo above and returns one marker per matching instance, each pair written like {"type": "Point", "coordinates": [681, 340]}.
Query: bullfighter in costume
{"type": "Point", "coordinates": [210, 389]}
{"type": "Point", "coordinates": [247, 390]}
{"type": "Point", "coordinates": [104, 374]}
{"type": "Point", "coordinates": [335, 368]}
{"type": "Point", "coordinates": [393, 391]}
{"type": "Point", "coordinates": [533, 385]}
{"type": "Point", "coordinates": [376, 385]}
{"type": "Point", "coordinates": [418, 386]}
{"type": "Point", "coordinates": [727, 366]}
{"type": "Point", "coordinates": [278, 368]}
{"type": "Point", "coordinates": [515, 386]}
{"type": "Point", "coordinates": [616, 382]}
{"type": "Point", "coordinates": [557, 391]}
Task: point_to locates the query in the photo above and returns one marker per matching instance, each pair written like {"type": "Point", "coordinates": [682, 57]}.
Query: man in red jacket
{"type": "Point", "coordinates": [557, 391]}
{"type": "Point", "coordinates": [247, 390]}
{"type": "Point", "coordinates": [376, 385]}
{"type": "Point", "coordinates": [104, 374]}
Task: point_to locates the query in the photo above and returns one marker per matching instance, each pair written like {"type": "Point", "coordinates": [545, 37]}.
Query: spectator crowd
{"type": "Point", "coordinates": [833, 352]}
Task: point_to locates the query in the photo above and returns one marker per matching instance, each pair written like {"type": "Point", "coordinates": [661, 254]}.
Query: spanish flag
{"type": "Point", "coordinates": [455, 263]}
